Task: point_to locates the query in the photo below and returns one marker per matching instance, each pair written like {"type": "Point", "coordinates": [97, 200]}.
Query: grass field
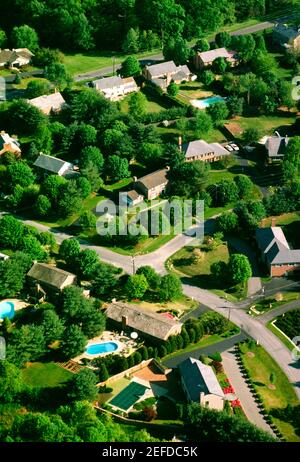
{"type": "Point", "coordinates": [268, 124]}
{"type": "Point", "coordinates": [48, 375]}
{"type": "Point", "coordinates": [182, 305]}
{"type": "Point", "coordinates": [260, 365]}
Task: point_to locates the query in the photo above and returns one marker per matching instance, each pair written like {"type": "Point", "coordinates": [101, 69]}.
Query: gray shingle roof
{"type": "Point", "coordinates": [54, 101]}
{"type": "Point", "coordinates": [286, 33]}
{"type": "Point", "coordinates": [272, 242]}
{"type": "Point", "coordinates": [107, 82]}
{"type": "Point", "coordinates": [154, 179]}
{"type": "Point", "coordinates": [161, 69]}
{"type": "Point", "coordinates": [51, 276]}
{"type": "Point", "coordinates": [199, 378]}
{"type": "Point", "coordinates": [198, 147]}
{"type": "Point", "coordinates": [143, 320]}
{"type": "Point", "coordinates": [51, 164]}
{"type": "Point", "coordinates": [211, 55]}
{"type": "Point", "coordinates": [276, 145]}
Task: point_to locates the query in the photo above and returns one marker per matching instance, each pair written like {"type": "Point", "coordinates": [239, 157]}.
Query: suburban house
{"type": "Point", "coordinates": [287, 36]}
{"type": "Point", "coordinates": [142, 321]}
{"type": "Point", "coordinates": [276, 147]}
{"type": "Point", "coordinates": [15, 58]}
{"type": "Point", "coordinates": [200, 384]}
{"type": "Point", "coordinates": [131, 198]}
{"type": "Point", "coordinates": [206, 58]}
{"type": "Point", "coordinates": [49, 103]}
{"type": "Point", "coordinates": [47, 277]}
{"type": "Point", "coordinates": [153, 184]}
{"type": "Point", "coordinates": [8, 144]}
{"type": "Point", "coordinates": [164, 73]}
{"type": "Point", "coordinates": [276, 252]}
{"type": "Point", "coordinates": [49, 164]}
{"type": "Point", "coordinates": [200, 150]}
{"type": "Point", "coordinates": [113, 88]}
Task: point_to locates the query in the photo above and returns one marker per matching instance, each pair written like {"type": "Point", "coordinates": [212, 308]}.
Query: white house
{"type": "Point", "coordinates": [51, 164]}
{"type": "Point", "coordinates": [18, 57]}
{"type": "Point", "coordinates": [49, 103]}
{"type": "Point", "coordinates": [113, 88]}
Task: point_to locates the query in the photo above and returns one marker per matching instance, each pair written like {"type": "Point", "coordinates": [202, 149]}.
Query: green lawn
{"type": "Point", "coordinates": [281, 337]}
{"type": "Point", "coordinates": [171, 134]}
{"type": "Point", "coordinates": [270, 303]}
{"type": "Point", "coordinates": [267, 124]}
{"type": "Point", "coordinates": [46, 375]}
{"type": "Point", "coordinates": [155, 102]}
{"type": "Point", "coordinates": [260, 365]}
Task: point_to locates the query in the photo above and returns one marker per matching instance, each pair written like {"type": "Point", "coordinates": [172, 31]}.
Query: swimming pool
{"type": "Point", "coordinates": [205, 103]}
{"type": "Point", "coordinates": [7, 310]}
{"type": "Point", "coordinates": [100, 348]}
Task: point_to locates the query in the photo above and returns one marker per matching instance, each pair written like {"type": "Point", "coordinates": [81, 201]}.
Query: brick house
{"type": "Point", "coordinates": [206, 58]}
{"type": "Point", "coordinates": [276, 252]}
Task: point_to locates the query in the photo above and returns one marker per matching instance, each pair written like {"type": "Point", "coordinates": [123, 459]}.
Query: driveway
{"type": "Point", "coordinates": [243, 392]}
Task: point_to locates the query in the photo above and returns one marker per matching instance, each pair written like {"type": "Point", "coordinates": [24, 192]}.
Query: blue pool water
{"type": "Point", "coordinates": [100, 348]}
{"type": "Point", "coordinates": [204, 103]}
{"type": "Point", "coordinates": [7, 310]}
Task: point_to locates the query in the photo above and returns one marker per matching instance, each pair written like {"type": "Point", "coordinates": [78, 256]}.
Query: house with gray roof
{"type": "Point", "coordinates": [276, 252]}
{"type": "Point", "coordinates": [200, 384]}
{"type": "Point", "coordinates": [46, 277]}
{"type": "Point", "coordinates": [49, 103]}
{"type": "Point", "coordinates": [50, 164]}
{"type": "Point", "coordinates": [153, 184]}
{"type": "Point", "coordinates": [17, 58]}
{"type": "Point", "coordinates": [162, 74]}
{"type": "Point", "coordinates": [114, 88]}
{"type": "Point", "coordinates": [287, 36]}
{"type": "Point", "coordinates": [131, 198]}
{"type": "Point", "coordinates": [145, 322]}
{"type": "Point", "coordinates": [9, 144]}
{"type": "Point", "coordinates": [201, 150]}
{"type": "Point", "coordinates": [276, 147]}
{"type": "Point", "coordinates": [206, 58]}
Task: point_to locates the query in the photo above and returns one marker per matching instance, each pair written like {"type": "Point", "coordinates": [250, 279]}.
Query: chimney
{"type": "Point", "coordinates": [135, 179]}
{"type": "Point", "coordinates": [124, 322]}
{"type": "Point", "coordinates": [180, 143]}
{"type": "Point", "coordinates": [168, 167]}
{"type": "Point", "coordinates": [273, 222]}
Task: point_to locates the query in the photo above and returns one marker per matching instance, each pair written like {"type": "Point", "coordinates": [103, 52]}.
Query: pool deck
{"type": "Point", "coordinates": [18, 304]}
{"type": "Point", "coordinates": [206, 102]}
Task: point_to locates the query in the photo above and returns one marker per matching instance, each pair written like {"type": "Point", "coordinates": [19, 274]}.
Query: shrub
{"type": "Point", "coordinates": [216, 357]}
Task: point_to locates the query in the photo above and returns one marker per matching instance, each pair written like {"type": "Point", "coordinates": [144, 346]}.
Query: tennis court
{"type": "Point", "coordinates": [130, 395]}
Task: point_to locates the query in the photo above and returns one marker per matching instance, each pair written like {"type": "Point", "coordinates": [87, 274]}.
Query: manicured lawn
{"type": "Point", "coordinates": [155, 102]}
{"type": "Point", "coordinates": [281, 337]}
{"type": "Point", "coordinates": [281, 220]}
{"type": "Point", "coordinates": [260, 366]}
{"type": "Point", "coordinates": [24, 82]}
{"type": "Point", "coordinates": [46, 375]}
{"type": "Point", "coordinates": [270, 303]}
{"type": "Point", "coordinates": [290, 225]}
{"type": "Point", "coordinates": [194, 90]}
{"type": "Point", "coordinates": [171, 134]}
{"type": "Point", "coordinates": [267, 124]}
{"type": "Point", "coordinates": [182, 305]}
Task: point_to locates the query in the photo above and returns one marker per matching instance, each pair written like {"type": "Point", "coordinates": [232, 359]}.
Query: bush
{"type": "Point", "coordinates": [216, 357]}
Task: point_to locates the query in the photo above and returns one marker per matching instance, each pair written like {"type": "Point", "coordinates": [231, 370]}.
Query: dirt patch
{"type": "Point", "coordinates": [250, 354]}
{"type": "Point", "coordinates": [272, 386]}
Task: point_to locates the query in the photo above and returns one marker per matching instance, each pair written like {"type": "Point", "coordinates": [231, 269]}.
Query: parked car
{"type": "Point", "coordinates": [235, 147]}
{"type": "Point", "coordinates": [229, 148]}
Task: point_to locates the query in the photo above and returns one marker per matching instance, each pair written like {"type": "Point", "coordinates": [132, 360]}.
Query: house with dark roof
{"type": "Point", "coordinates": [206, 58]}
{"type": "Point", "coordinates": [162, 74]}
{"type": "Point", "coordinates": [18, 57]}
{"type": "Point", "coordinates": [114, 88]}
{"type": "Point", "coordinates": [46, 278]}
{"type": "Point", "coordinates": [276, 252]}
{"type": "Point", "coordinates": [276, 147]}
{"type": "Point", "coordinates": [200, 384]}
{"type": "Point", "coordinates": [153, 184]}
{"type": "Point", "coordinates": [287, 36]}
{"type": "Point", "coordinates": [9, 144]}
{"type": "Point", "coordinates": [201, 150]}
{"type": "Point", "coordinates": [50, 164]}
{"type": "Point", "coordinates": [49, 103]}
{"type": "Point", "coordinates": [145, 322]}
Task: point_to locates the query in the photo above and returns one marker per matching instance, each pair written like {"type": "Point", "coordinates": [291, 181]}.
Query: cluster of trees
{"type": "Point", "coordinates": [229, 191]}
{"type": "Point", "coordinates": [237, 271]}
{"type": "Point", "coordinates": [166, 288]}
{"type": "Point", "coordinates": [85, 25]}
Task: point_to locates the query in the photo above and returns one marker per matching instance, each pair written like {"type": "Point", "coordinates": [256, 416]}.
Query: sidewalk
{"type": "Point", "coordinates": [243, 393]}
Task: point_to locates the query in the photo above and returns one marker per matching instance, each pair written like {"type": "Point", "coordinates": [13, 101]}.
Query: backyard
{"type": "Point", "coordinates": [276, 395]}
{"type": "Point", "coordinates": [45, 375]}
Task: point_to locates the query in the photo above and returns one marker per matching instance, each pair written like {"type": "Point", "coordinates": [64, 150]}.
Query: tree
{"type": "Point", "coordinates": [173, 89]}
{"type": "Point", "coordinates": [235, 105]}
{"type": "Point", "coordinates": [20, 173]}
{"type": "Point", "coordinates": [69, 251]}
{"type": "Point", "coordinates": [130, 67]}
{"type": "Point", "coordinates": [84, 187]}
{"type": "Point", "coordinates": [219, 271]}
{"type": "Point", "coordinates": [153, 278]}
{"type": "Point", "coordinates": [213, 323]}
{"type": "Point", "coordinates": [223, 39]}
{"type": "Point", "coordinates": [251, 135]}
{"type": "Point", "coordinates": [291, 163]}
{"type": "Point", "coordinates": [12, 274]}
{"type": "Point", "coordinates": [32, 247]}
{"type": "Point", "coordinates": [202, 123]}
{"type": "Point", "coordinates": [52, 325]}
{"type": "Point", "coordinates": [11, 232]}
{"type": "Point", "coordinates": [138, 105]}
{"type": "Point", "coordinates": [103, 374]}
{"type": "Point", "coordinates": [83, 386]}
{"type": "Point", "coordinates": [26, 343]}
{"type": "Point", "coordinates": [73, 342]}
{"type": "Point", "coordinates": [104, 280]}
{"type": "Point", "coordinates": [239, 268]}
{"type": "Point", "coordinates": [87, 220]}
{"type": "Point", "coordinates": [136, 286]}
{"type": "Point", "coordinates": [117, 168]}
{"type": "Point", "coordinates": [188, 178]}
{"type": "Point", "coordinates": [11, 383]}
{"type": "Point", "coordinates": [219, 65]}
{"type": "Point", "coordinates": [208, 78]}
{"type": "Point", "coordinates": [218, 112]}
{"type": "Point", "coordinates": [202, 45]}
{"type": "Point", "coordinates": [57, 74]}
{"type": "Point", "coordinates": [70, 200]}
{"type": "Point", "coordinates": [42, 206]}
{"type": "Point", "coordinates": [244, 185]}
{"type": "Point", "coordinates": [177, 50]}
{"type": "Point", "coordinates": [87, 261]}
{"type": "Point", "coordinates": [228, 222]}
{"type": "Point", "coordinates": [170, 288]}
{"type": "Point", "coordinates": [91, 155]}
{"type": "Point", "coordinates": [25, 37]}
{"type": "Point", "coordinates": [52, 186]}
{"type": "Point", "coordinates": [131, 42]}
{"type": "Point", "coordinates": [3, 39]}
{"type": "Point", "coordinates": [37, 88]}
{"type": "Point", "coordinates": [224, 192]}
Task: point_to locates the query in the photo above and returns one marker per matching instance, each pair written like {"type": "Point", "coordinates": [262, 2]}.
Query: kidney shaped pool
{"type": "Point", "coordinates": [7, 310]}
{"type": "Point", "coordinates": [100, 348]}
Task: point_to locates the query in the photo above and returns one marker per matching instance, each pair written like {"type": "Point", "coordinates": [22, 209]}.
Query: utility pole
{"type": "Point", "coordinates": [114, 63]}
{"type": "Point", "coordinates": [133, 264]}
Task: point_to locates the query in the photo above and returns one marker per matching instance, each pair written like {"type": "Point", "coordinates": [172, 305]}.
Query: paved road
{"type": "Point", "coordinates": [254, 328]}
{"type": "Point", "coordinates": [208, 350]}
{"type": "Point", "coordinates": [243, 392]}
{"type": "Point", "coordinates": [269, 315]}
